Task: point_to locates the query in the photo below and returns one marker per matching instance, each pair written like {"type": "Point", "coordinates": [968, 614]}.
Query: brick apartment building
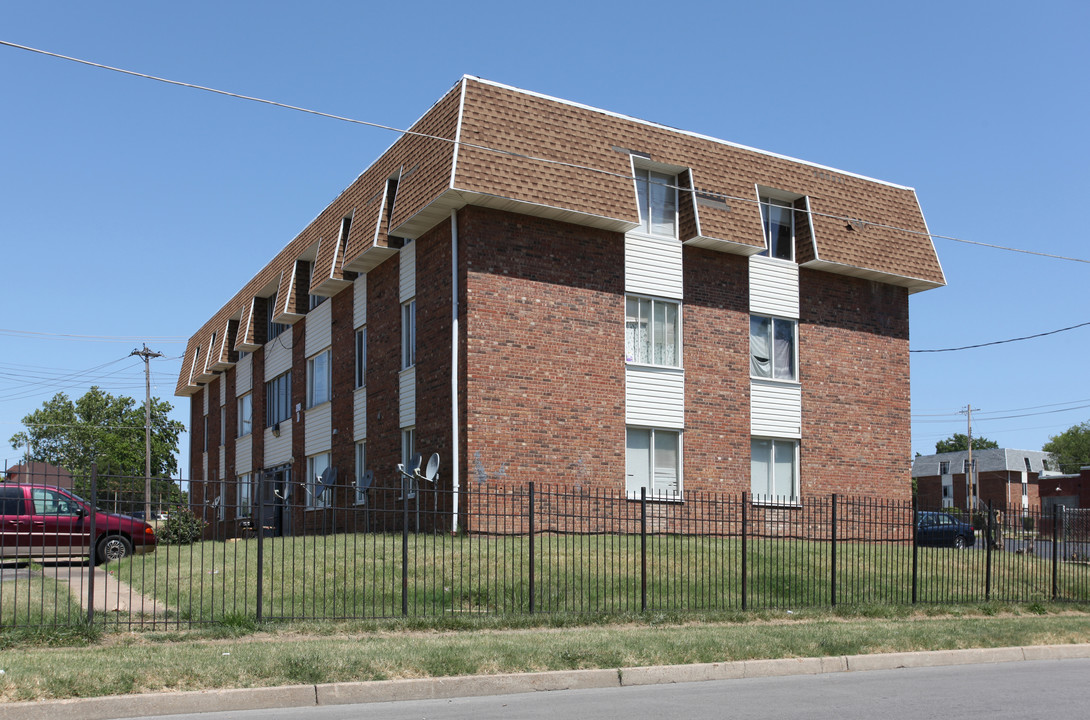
{"type": "Point", "coordinates": [1008, 479]}
{"type": "Point", "coordinates": [539, 290]}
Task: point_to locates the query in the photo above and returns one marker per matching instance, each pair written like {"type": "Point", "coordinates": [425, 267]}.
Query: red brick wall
{"type": "Point", "coordinates": [383, 366]}
{"type": "Point", "coordinates": [715, 322]}
{"type": "Point", "coordinates": [853, 365]}
{"type": "Point", "coordinates": [544, 329]}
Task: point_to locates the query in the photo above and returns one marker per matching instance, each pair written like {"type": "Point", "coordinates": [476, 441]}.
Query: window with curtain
{"type": "Point", "coordinates": [245, 415]}
{"type": "Point", "coordinates": [657, 197]}
{"type": "Point", "coordinates": [774, 466]}
{"type": "Point", "coordinates": [652, 332]}
{"type": "Point", "coordinates": [778, 218]}
{"type": "Point", "coordinates": [278, 399]}
{"type": "Point", "coordinates": [772, 344]}
{"type": "Point", "coordinates": [653, 461]}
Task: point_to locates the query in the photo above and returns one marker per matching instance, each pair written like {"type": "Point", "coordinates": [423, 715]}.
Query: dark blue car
{"type": "Point", "coordinates": [939, 529]}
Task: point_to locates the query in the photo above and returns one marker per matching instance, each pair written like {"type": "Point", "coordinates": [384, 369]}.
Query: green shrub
{"type": "Point", "coordinates": [180, 528]}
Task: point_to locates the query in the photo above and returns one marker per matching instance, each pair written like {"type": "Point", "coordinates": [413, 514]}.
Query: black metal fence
{"type": "Point", "coordinates": [528, 549]}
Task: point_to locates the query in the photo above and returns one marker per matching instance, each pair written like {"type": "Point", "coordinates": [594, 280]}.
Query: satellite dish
{"type": "Point", "coordinates": [367, 479]}
{"type": "Point", "coordinates": [433, 469]}
{"type": "Point", "coordinates": [326, 479]}
{"type": "Point", "coordinates": [216, 502]}
{"type": "Point", "coordinates": [414, 462]}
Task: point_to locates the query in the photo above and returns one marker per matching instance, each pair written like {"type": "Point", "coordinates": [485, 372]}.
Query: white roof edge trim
{"type": "Point", "coordinates": [458, 134]}
{"type": "Point", "coordinates": [690, 133]}
{"type": "Point", "coordinates": [930, 237]}
{"type": "Point", "coordinates": [823, 264]}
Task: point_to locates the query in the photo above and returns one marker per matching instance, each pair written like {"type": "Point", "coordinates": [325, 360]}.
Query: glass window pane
{"type": "Point", "coordinates": [778, 217]}
{"type": "Point", "coordinates": [637, 332]}
{"type": "Point", "coordinates": [637, 460]}
{"type": "Point", "coordinates": [784, 360]}
{"type": "Point", "coordinates": [663, 204]}
{"type": "Point", "coordinates": [760, 359]}
{"type": "Point", "coordinates": [666, 334]}
{"type": "Point", "coordinates": [784, 472]}
{"type": "Point", "coordinates": [666, 463]}
{"type": "Point", "coordinates": [760, 466]}
{"type": "Point", "coordinates": [642, 199]}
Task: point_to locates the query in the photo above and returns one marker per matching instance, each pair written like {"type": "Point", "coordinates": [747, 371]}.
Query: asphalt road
{"type": "Point", "coordinates": [1055, 689]}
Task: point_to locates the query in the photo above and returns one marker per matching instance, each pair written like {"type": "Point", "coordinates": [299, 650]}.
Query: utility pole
{"type": "Point", "coordinates": [971, 473]}
{"type": "Point", "coordinates": [147, 355]}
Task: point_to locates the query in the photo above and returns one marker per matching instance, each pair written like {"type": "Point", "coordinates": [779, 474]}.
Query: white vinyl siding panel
{"type": "Point", "coordinates": [359, 302]}
{"type": "Point", "coordinates": [407, 285]}
{"type": "Point", "coordinates": [359, 414]}
{"type": "Point", "coordinates": [278, 355]}
{"type": "Point", "coordinates": [776, 409]}
{"type": "Point", "coordinates": [223, 465]}
{"type": "Point", "coordinates": [204, 394]}
{"type": "Point", "coordinates": [244, 454]}
{"type": "Point", "coordinates": [318, 429]}
{"type": "Point", "coordinates": [773, 287]}
{"type": "Point", "coordinates": [655, 397]}
{"type": "Point", "coordinates": [278, 449]}
{"type": "Point", "coordinates": [244, 375]}
{"type": "Point", "coordinates": [318, 328]}
{"type": "Point", "coordinates": [204, 466]}
{"type": "Point", "coordinates": [652, 266]}
{"type": "Point", "coordinates": [407, 396]}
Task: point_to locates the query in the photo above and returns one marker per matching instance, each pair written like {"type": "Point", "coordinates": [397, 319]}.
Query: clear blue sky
{"type": "Point", "coordinates": [131, 209]}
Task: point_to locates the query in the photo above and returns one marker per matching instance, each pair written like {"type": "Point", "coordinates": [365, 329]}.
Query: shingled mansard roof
{"type": "Point", "coordinates": [492, 145]}
{"type": "Point", "coordinates": [986, 459]}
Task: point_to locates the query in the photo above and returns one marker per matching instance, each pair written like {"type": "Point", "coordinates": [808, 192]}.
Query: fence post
{"type": "Point", "coordinates": [532, 547]}
{"type": "Point", "coordinates": [1055, 551]}
{"type": "Point", "coordinates": [745, 505]}
{"type": "Point", "coordinates": [260, 527]}
{"type": "Point", "coordinates": [990, 532]}
{"type": "Point", "coordinates": [91, 530]}
{"type": "Point", "coordinates": [404, 548]}
{"type": "Point", "coordinates": [833, 558]}
{"type": "Point", "coordinates": [915, 547]}
{"type": "Point", "coordinates": [643, 549]}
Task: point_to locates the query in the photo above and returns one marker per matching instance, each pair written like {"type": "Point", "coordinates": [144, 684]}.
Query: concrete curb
{"type": "Point", "coordinates": [122, 706]}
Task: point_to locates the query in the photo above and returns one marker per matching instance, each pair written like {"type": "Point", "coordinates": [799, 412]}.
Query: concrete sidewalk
{"type": "Point", "coordinates": [110, 593]}
{"type": "Point", "coordinates": [124, 706]}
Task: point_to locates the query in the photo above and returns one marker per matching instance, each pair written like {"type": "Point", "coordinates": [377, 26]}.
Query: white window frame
{"type": "Point", "coordinates": [273, 329]}
{"type": "Point", "coordinates": [770, 340]}
{"type": "Point", "coordinates": [634, 483]}
{"type": "Point", "coordinates": [221, 511]}
{"type": "Point", "coordinates": [223, 425]}
{"type": "Point", "coordinates": [648, 183]}
{"type": "Point", "coordinates": [408, 334]}
{"type": "Point", "coordinates": [761, 487]}
{"type": "Point", "coordinates": [408, 446]}
{"type": "Point", "coordinates": [651, 349]}
{"type": "Point", "coordinates": [361, 468]}
{"type": "Point", "coordinates": [768, 202]}
{"type": "Point", "coordinates": [361, 357]}
{"type": "Point", "coordinates": [278, 397]}
{"type": "Point", "coordinates": [317, 464]}
{"type": "Point", "coordinates": [245, 414]}
{"type": "Point", "coordinates": [319, 378]}
{"type": "Point", "coordinates": [245, 492]}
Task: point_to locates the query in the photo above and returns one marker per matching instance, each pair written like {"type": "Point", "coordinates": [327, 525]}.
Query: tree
{"type": "Point", "coordinates": [960, 441]}
{"type": "Point", "coordinates": [108, 430]}
{"type": "Point", "coordinates": [1071, 448]}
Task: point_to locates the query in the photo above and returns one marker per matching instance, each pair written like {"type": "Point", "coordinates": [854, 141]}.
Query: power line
{"type": "Point", "coordinates": [485, 148]}
{"type": "Point", "coordinates": [1003, 342]}
{"type": "Point", "coordinates": [89, 338]}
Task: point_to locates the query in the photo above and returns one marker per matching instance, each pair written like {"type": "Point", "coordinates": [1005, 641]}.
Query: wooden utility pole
{"type": "Point", "coordinates": [147, 355]}
{"type": "Point", "coordinates": [971, 474]}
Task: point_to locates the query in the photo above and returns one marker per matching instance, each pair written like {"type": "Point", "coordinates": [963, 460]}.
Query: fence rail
{"type": "Point", "coordinates": [532, 549]}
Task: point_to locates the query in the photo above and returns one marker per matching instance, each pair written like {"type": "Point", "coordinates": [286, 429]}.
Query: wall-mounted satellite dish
{"type": "Point", "coordinates": [432, 469]}
{"type": "Point", "coordinates": [414, 463]}
{"type": "Point", "coordinates": [327, 479]}
{"type": "Point", "coordinates": [216, 502]}
{"type": "Point", "coordinates": [367, 479]}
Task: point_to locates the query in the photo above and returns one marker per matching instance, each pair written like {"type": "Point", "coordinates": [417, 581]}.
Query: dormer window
{"type": "Point", "coordinates": [657, 196]}
{"type": "Point", "coordinates": [778, 219]}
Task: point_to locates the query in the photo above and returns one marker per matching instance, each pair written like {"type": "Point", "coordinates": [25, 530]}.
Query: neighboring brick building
{"type": "Point", "coordinates": [540, 290]}
{"type": "Point", "coordinates": [1008, 479]}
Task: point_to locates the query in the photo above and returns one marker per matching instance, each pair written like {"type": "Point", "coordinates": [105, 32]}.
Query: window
{"type": "Point", "coordinates": [408, 447]}
{"type": "Point", "coordinates": [408, 334]}
{"type": "Point", "coordinates": [772, 348]}
{"type": "Point", "coordinates": [51, 502]}
{"type": "Point", "coordinates": [316, 300]}
{"type": "Point", "coordinates": [653, 461]}
{"type": "Point", "coordinates": [774, 465]}
{"type": "Point", "coordinates": [223, 425]}
{"type": "Point", "coordinates": [245, 415]}
{"type": "Point", "coordinates": [278, 399]}
{"type": "Point", "coordinates": [204, 440]}
{"type": "Point", "coordinates": [361, 469]}
{"type": "Point", "coordinates": [965, 466]}
{"type": "Point", "coordinates": [778, 218]}
{"type": "Point", "coordinates": [944, 467]}
{"type": "Point", "coordinates": [346, 226]}
{"type": "Point", "coordinates": [274, 328]}
{"type": "Point", "coordinates": [221, 501]}
{"type": "Point", "coordinates": [1028, 468]}
{"type": "Point", "coordinates": [652, 332]}
{"type": "Point", "coordinates": [245, 496]}
{"type": "Point", "coordinates": [318, 495]}
{"type": "Point", "coordinates": [656, 194]}
{"type": "Point", "coordinates": [318, 379]}
{"type": "Point", "coordinates": [361, 357]}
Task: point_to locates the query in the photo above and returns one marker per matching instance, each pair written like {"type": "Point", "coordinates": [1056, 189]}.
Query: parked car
{"type": "Point", "coordinates": [46, 522]}
{"type": "Point", "coordinates": [939, 529]}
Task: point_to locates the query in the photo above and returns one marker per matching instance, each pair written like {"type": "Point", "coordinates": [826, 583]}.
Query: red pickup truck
{"type": "Point", "coordinates": [43, 522]}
